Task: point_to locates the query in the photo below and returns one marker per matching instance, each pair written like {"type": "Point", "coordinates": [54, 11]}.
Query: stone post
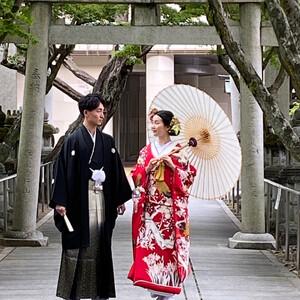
{"type": "Point", "coordinates": [253, 234]}
{"type": "Point", "coordinates": [159, 67]}
{"type": "Point", "coordinates": [29, 158]}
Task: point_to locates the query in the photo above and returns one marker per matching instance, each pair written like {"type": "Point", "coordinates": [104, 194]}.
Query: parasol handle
{"type": "Point", "coordinates": [192, 143]}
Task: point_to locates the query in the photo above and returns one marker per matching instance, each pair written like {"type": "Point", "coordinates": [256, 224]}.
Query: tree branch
{"type": "Point", "coordinates": [278, 82]}
{"type": "Point", "coordinates": [270, 53]}
{"type": "Point", "coordinates": [223, 59]}
{"type": "Point", "coordinates": [52, 54]}
{"type": "Point", "coordinates": [67, 89]}
{"type": "Point", "coordinates": [111, 83]}
{"type": "Point", "coordinates": [58, 83]}
{"type": "Point", "coordinates": [289, 53]}
{"type": "Point", "coordinates": [145, 50]}
{"type": "Point", "coordinates": [266, 101]}
{"type": "Point", "coordinates": [61, 54]}
{"type": "Point", "coordinates": [71, 66]}
{"type": "Point", "coordinates": [292, 11]}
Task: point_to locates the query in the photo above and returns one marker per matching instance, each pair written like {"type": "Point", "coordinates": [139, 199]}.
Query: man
{"type": "Point", "coordinates": [90, 188]}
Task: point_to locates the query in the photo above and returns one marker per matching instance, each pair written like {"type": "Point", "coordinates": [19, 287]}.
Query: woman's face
{"type": "Point", "coordinates": [158, 127]}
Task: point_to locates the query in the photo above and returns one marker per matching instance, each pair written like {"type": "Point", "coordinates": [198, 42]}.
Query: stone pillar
{"type": "Point", "coordinates": [24, 219]}
{"type": "Point", "coordinates": [159, 75]}
{"type": "Point", "coordinates": [159, 68]}
{"type": "Point", "coordinates": [145, 14]}
{"type": "Point", "coordinates": [253, 234]}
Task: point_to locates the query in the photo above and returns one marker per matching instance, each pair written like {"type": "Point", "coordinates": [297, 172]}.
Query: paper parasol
{"type": "Point", "coordinates": [217, 156]}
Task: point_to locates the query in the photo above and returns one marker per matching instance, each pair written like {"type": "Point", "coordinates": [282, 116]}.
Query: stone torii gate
{"type": "Point", "coordinates": [145, 29]}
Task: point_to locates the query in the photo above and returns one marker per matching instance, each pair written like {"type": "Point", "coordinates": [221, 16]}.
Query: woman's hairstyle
{"type": "Point", "coordinates": [168, 119]}
{"type": "Point", "coordinates": [90, 102]}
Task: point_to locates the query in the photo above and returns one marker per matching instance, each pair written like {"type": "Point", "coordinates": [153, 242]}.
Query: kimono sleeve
{"type": "Point", "coordinates": [138, 173]}
{"type": "Point", "coordinates": [60, 193]}
{"type": "Point", "coordinates": [184, 174]}
{"type": "Point", "coordinates": [124, 192]}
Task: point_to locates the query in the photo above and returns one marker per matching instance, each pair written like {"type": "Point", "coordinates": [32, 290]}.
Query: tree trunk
{"type": "Point", "coordinates": [268, 104]}
{"type": "Point", "coordinates": [110, 84]}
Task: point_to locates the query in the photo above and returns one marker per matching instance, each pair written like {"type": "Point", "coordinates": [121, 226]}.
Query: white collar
{"type": "Point", "coordinates": [93, 136]}
{"type": "Point", "coordinates": [160, 150]}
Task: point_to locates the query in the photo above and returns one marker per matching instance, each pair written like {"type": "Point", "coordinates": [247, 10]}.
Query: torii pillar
{"type": "Point", "coordinates": [29, 158]}
{"type": "Point", "coordinates": [252, 235]}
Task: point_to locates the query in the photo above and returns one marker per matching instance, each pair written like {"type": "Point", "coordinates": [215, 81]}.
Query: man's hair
{"type": "Point", "coordinates": [90, 102]}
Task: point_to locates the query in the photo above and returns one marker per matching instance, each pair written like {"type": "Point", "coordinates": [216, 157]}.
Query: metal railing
{"type": "Point", "coordinates": [282, 215]}
{"type": "Point", "coordinates": [8, 194]}
{"type": "Point", "coordinates": [234, 198]}
{"type": "Point", "coordinates": [283, 207]}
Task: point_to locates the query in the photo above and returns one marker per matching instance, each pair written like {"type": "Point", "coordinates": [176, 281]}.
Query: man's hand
{"type": "Point", "coordinates": [61, 210]}
{"type": "Point", "coordinates": [121, 209]}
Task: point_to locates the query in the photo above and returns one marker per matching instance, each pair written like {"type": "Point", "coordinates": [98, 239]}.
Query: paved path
{"type": "Point", "coordinates": [219, 273]}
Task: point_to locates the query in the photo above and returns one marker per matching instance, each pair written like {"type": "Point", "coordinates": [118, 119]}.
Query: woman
{"type": "Point", "coordinates": [160, 226]}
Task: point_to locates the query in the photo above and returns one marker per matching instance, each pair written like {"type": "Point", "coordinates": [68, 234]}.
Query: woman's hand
{"type": "Point", "coordinates": [168, 161]}
{"type": "Point", "coordinates": [153, 163]}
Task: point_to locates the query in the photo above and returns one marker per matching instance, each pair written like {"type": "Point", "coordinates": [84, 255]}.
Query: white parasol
{"type": "Point", "coordinates": [217, 156]}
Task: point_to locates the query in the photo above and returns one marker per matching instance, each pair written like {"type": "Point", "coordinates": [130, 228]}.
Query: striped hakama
{"type": "Point", "coordinates": [78, 270]}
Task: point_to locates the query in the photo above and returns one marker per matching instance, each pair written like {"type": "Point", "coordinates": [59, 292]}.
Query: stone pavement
{"type": "Point", "coordinates": [218, 272]}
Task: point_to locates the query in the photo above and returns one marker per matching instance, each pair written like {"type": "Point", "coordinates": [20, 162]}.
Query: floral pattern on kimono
{"type": "Point", "coordinates": [160, 225]}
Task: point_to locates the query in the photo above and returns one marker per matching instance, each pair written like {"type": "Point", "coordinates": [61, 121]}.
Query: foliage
{"type": "Point", "coordinates": [13, 19]}
{"type": "Point", "coordinates": [294, 108]}
{"type": "Point", "coordinates": [188, 14]}
{"type": "Point", "coordinates": [132, 52]}
{"type": "Point", "coordinates": [16, 59]}
{"type": "Point", "coordinates": [93, 14]}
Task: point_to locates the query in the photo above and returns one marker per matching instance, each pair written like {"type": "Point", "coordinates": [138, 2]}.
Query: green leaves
{"type": "Point", "coordinates": [93, 14]}
{"type": "Point", "coordinates": [14, 19]}
{"type": "Point", "coordinates": [188, 14]}
{"type": "Point", "coordinates": [294, 108]}
{"type": "Point", "coordinates": [131, 52]}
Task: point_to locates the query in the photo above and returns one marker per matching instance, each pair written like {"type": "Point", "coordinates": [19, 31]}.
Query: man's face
{"type": "Point", "coordinates": [95, 117]}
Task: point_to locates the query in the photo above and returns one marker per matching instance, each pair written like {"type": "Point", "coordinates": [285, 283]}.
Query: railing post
{"type": "Point", "coordinates": [43, 187]}
{"type": "Point", "coordinates": [287, 225]}
{"type": "Point", "coordinates": [277, 225]}
{"type": "Point", "coordinates": [268, 208]}
{"type": "Point", "coordinates": [298, 235]}
{"type": "Point", "coordinates": [48, 178]}
{"type": "Point", "coordinates": [238, 197]}
{"type": "Point", "coordinates": [5, 206]}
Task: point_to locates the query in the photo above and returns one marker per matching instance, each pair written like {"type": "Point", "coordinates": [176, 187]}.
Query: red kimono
{"type": "Point", "coordinates": [160, 225]}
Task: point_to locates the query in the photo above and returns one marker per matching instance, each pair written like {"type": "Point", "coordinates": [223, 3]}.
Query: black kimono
{"type": "Point", "coordinates": [72, 175]}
